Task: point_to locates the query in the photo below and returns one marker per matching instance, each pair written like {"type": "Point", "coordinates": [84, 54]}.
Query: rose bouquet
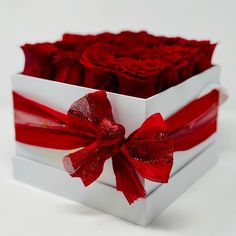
{"type": "Point", "coordinates": [135, 64]}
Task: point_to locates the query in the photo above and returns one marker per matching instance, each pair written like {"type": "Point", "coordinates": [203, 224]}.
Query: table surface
{"type": "Point", "coordinates": [207, 208]}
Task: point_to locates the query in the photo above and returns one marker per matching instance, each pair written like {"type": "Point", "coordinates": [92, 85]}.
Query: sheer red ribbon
{"type": "Point", "coordinates": [89, 125]}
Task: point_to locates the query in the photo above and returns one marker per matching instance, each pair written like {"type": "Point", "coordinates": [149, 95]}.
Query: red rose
{"type": "Point", "coordinates": [67, 61]}
{"type": "Point", "coordinates": [71, 42]}
{"type": "Point", "coordinates": [139, 78]}
{"type": "Point", "coordinates": [205, 58]}
{"type": "Point", "coordinates": [182, 60]}
{"type": "Point", "coordinates": [38, 59]}
{"type": "Point", "coordinates": [178, 63]}
{"type": "Point", "coordinates": [68, 68]}
{"type": "Point", "coordinates": [99, 67]}
{"type": "Point", "coordinates": [206, 50]}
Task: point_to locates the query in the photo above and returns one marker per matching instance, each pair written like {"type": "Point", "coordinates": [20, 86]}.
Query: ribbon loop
{"type": "Point", "coordinates": [87, 163]}
{"type": "Point", "coordinates": [150, 149]}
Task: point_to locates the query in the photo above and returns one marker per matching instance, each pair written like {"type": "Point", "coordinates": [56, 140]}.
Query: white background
{"type": "Point", "coordinates": [207, 208]}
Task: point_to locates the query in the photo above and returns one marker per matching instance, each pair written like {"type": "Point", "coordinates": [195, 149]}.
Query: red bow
{"type": "Point", "coordinates": [147, 151]}
{"type": "Point", "coordinates": [89, 123]}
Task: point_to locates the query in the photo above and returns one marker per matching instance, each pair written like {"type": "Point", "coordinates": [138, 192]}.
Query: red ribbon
{"type": "Point", "coordinates": [89, 123]}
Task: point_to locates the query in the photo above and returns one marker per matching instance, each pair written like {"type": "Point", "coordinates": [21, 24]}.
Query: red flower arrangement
{"type": "Point", "coordinates": [136, 64]}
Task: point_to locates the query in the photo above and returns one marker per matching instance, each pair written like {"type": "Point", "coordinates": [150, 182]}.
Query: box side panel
{"type": "Point", "coordinates": [173, 99]}
{"type": "Point", "coordinates": [58, 182]}
{"type": "Point", "coordinates": [181, 159]}
{"type": "Point", "coordinates": [54, 158]}
{"type": "Point", "coordinates": [107, 198]}
{"type": "Point", "coordinates": [130, 112]}
{"type": "Point", "coordinates": [160, 199]}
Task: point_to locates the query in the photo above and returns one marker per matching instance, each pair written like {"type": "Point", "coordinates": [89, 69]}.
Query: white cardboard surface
{"type": "Point", "coordinates": [107, 198]}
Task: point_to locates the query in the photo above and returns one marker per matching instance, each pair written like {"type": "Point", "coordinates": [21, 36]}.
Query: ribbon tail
{"type": "Point", "coordinates": [150, 151]}
{"type": "Point", "coordinates": [87, 163]}
{"type": "Point", "coordinates": [40, 125]}
{"type": "Point", "coordinates": [29, 106]}
{"type": "Point", "coordinates": [127, 179]}
{"type": "Point", "coordinates": [195, 122]}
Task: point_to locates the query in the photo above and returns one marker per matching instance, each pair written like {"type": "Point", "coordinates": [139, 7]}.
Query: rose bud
{"type": "Point", "coordinates": [38, 59]}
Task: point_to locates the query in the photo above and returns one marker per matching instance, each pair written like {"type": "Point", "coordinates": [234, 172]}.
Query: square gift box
{"type": "Point", "coordinates": [43, 167]}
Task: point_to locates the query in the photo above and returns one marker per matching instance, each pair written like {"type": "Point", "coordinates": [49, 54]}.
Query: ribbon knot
{"type": "Point", "coordinates": [110, 134]}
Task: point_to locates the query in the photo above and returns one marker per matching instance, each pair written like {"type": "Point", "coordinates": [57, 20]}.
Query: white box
{"type": "Point", "coordinates": [42, 167]}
